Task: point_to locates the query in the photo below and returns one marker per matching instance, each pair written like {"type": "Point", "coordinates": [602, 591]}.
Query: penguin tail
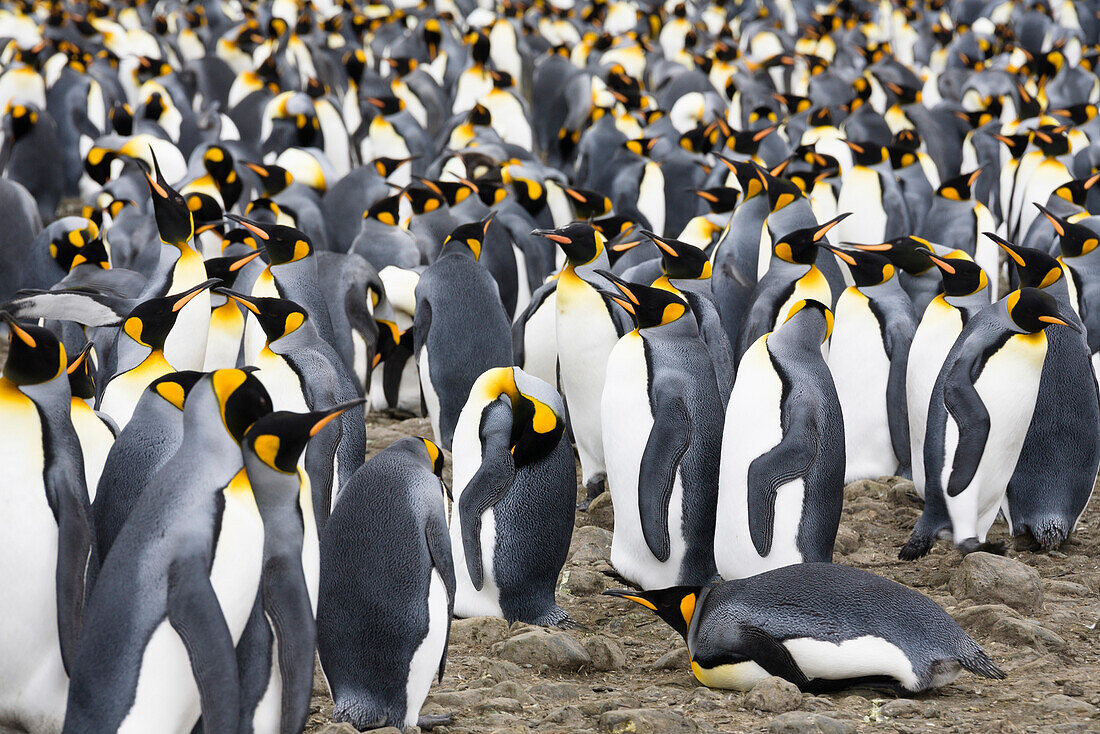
{"type": "Point", "coordinates": [558, 617]}
{"type": "Point", "coordinates": [1050, 534]}
{"type": "Point", "coordinates": [977, 662]}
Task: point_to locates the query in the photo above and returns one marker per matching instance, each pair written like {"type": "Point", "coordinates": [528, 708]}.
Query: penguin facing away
{"type": "Point", "coordinates": [512, 518]}
{"type": "Point", "coordinates": [822, 626]}
{"type": "Point", "coordinates": [781, 481]}
{"type": "Point", "coordinates": [380, 649]}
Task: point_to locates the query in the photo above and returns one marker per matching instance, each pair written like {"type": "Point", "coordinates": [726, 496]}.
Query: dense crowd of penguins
{"type": "Point", "coordinates": [734, 254]}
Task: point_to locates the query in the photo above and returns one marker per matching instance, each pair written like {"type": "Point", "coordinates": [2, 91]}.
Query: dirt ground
{"type": "Point", "coordinates": [1051, 655]}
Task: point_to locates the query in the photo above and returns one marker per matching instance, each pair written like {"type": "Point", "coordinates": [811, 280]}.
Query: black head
{"type": "Point", "coordinates": [205, 210]}
{"type": "Point", "coordinates": [470, 235]}
{"type": "Point", "coordinates": [242, 400]}
{"type": "Point", "coordinates": [21, 119]}
{"type": "Point", "coordinates": [386, 211]}
{"type": "Point", "coordinates": [174, 220]}
{"type": "Point", "coordinates": [675, 605]}
{"type": "Point", "coordinates": [781, 192]}
{"type": "Point", "coordinates": [748, 176]}
{"type": "Point", "coordinates": [867, 268]}
{"type": "Point", "coordinates": [1016, 144]}
{"type": "Point", "coordinates": [1077, 190]}
{"type": "Point", "coordinates": [175, 387]}
{"type": "Point", "coordinates": [800, 247]}
{"type": "Point", "coordinates": [580, 241]}
{"type": "Point", "coordinates": [278, 317]}
{"type": "Point", "coordinates": [613, 226]}
{"type": "Point", "coordinates": [34, 353]}
{"type": "Point", "coordinates": [720, 200]}
{"type": "Point", "coordinates": [536, 427]}
{"type": "Point", "coordinates": [80, 247]}
{"type": "Point", "coordinates": [906, 253]}
{"type": "Point", "coordinates": [283, 244]}
{"type": "Point", "coordinates": [1052, 141]}
{"type": "Point", "coordinates": [1035, 268]}
{"type": "Point", "coordinates": [960, 277]}
{"type": "Point", "coordinates": [1075, 239]}
{"type": "Point", "coordinates": [681, 260]}
{"type": "Point", "coordinates": [149, 322]}
{"type": "Point", "coordinates": [387, 166]}
{"type": "Point", "coordinates": [97, 164]}
{"type": "Point", "coordinates": [274, 179]}
{"type": "Point", "coordinates": [424, 199]}
{"type": "Point", "coordinates": [958, 188]}
{"type": "Point", "coordinates": [81, 382]}
{"type": "Point", "coordinates": [1032, 310]}
{"type": "Point", "coordinates": [866, 153]}
{"type": "Point", "coordinates": [648, 307]}
{"type": "Point", "coordinates": [279, 438]}
{"type": "Point", "coordinates": [225, 269]}
{"type": "Point", "coordinates": [588, 204]}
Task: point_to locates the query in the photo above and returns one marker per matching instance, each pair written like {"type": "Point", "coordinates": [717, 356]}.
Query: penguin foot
{"type": "Point", "coordinates": [427, 723]}
{"type": "Point", "coordinates": [593, 489]}
{"type": "Point", "coordinates": [968, 546]}
{"type": "Point", "coordinates": [917, 546]}
{"type": "Point", "coordinates": [996, 547]}
{"type": "Point", "coordinates": [1026, 542]}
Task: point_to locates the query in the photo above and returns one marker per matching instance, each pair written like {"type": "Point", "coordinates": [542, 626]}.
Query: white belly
{"type": "Point", "coordinates": [282, 383]}
{"type": "Point", "coordinates": [862, 656]}
{"type": "Point", "coordinates": [1008, 387]}
{"type": "Point", "coordinates": [861, 193]}
{"type": "Point", "coordinates": [167, 697]}
{"type": "Point", "coordinates": [752, 429]}
{"type": "Point", "coordinates": [431, 399]}
{"type": "Point", "coordinates": [425, 661]}
{"type": "Point", "coordinates": [223, 342]}
{"type": "Point", "coordinates": [122, 393]}
{"type": "Point", "coordinates": [933, 339]}
{"type": "Point", "coordinates": [267, 715]}
{"type": "Point", "coordinates": [185, 346]}
{"type": "Point", "coordinates": [33, 684]}
{"type": "Point", "coordinates": [540, 343]}
{"type": "Point", "coordinates": [626, 430]}
{"type": "Point", "coordinates": [861, 369]}
{"type": "Point", "coordinates": [95, 443]}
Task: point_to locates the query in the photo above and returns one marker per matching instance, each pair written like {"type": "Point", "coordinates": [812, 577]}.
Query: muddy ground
{"type": "Point", "coordinates": [629, 671]}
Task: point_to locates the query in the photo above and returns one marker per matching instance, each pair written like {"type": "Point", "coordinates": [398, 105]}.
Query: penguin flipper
{"type": "Point", "coordinates": [966, 407]}
{"type": "Point", "coordinates": [668, 441]}
{"type": "Point", "coordinates": [286, 602]}
{"type": "Point", "coordinates": [489, 485]}
{"type": "Point", "coordinates": [784, 463]}
{"type": "Point", "coordinates": [196, 615]}
{"type": "Point", "coordinates": [898, 340]}
{"type": "Point", "coordinates": [87, 308]}
{"type": "Point", "coordinates": [439, 548]}
{"type": "Point", "coordinates": [422, 321]}
{"type": "Point", "coordinates": [771, 655]}
{"type": "Point", "coordinates": [74, 554]}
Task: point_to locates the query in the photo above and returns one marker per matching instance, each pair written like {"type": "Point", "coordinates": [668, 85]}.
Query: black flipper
{"type": "Point", "coordinates": [86, 307]}
{"type": "Point", "coordinates": [196, 616]}
{"type": "Point", "coordinates": [492, 480]}
{"type": "Point", "coordinates": [786, 462]}
{"type": "Point", "coordinates": [422, 321]}
{"type": "Point", "coordinates": [286, 602]}
{"type": "Point", "coordinates": [966, 408]}
{"type": "Point", "coordinates": [439, 548]}
{"type": "Point", "coordinates": [668, 441]}
{"type": "Point", "coordinates": [769, 654]}
{"type": "Point", "coordinates": [897, 414]}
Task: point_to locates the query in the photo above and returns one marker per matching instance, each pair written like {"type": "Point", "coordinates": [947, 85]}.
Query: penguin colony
{"type": "Point", "coordinates": [734, 254]}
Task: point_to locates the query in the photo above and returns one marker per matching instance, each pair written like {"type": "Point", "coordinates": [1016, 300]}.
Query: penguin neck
{"type": "Point", "coordinates": [878, 290]}
{"type": "Point", "coordinates": [969, 303]}
{"type": "Point", "coordinates": [276, 496]}
{"type": "Point", "coordinates": [203, 426]}
{"type": "Point", "coordinates": [685, 326]}
{"type": "Point", "coordinates": [300, 338]}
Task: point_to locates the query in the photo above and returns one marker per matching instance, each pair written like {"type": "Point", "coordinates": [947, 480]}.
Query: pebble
{"type": "Point", "coordinates": [800, 722]}
{"type": "Point", "coordinates": [510, 705]}
{"type": "Point", "coordinates": [606, 654]}
{"type": "Point", "coordinates": [646, 721]}
{"type": "Point", "coordinates": [511, 689]}
{"type": "Point", "coordinates": [774, 694]}
{"type": "Point", "coordinates": [499, 670]}
{"type": "Point", "coordinates": [677, 659]}
{"type": "Point", "coordinates": [556, 650]}
{"type": "Point", "coordinates": [556, 691]}
{"type": "Point", "coordinates": [570, 716]}
{"type": "Point", "coordinates": [902, 708]}
{"type": "Point", "coordinates": [600, 513]}
{"type": "Point", "coordinates": [847, 540]}
{"type": "Point", "coordinates": [584, 582]}
{"type": "Point", "coordinates": [456, 699]}
{"type": "Point", "coordinates": [341, 728]}
{"type": "Point", "coordinates": [478, 631]}
{"type": "Point", "coordinates": [1063, 704]}
{"type": "Point", "coordinates": [991, 579]}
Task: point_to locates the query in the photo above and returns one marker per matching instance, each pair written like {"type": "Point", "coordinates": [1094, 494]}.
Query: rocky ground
{"type": "Point", "coordinates": [1035, 614]}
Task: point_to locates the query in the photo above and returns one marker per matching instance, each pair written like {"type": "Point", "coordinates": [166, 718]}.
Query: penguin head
{"type": "Point", "coordinates": [648, 307]}
{"type": "Point", "coordinates": [675, 605]}
{"type": "Point", "coordinates": [1016, 144]}
{"type": "Point", "coordinates": [866, 153]}
{"type": "Point", "coordinates": [470, 236]}
{"type": "Point", "coordinates": [387, 104]}
{"type": "Point", "coordinates": [581, 242]}
{"type": "Point", "coordinates": [435, 455]}
{"type": "Point", "coordinates": [79, 247]}
{"type": "Point", "coordinates": [205, 211]}
{"type": "Point", "coordinates": [1077, 191]}
{"type": "Point", "coordinates": [387, 166]}
{"type": "Point", "coordinates": [274, 179]}
{"type": "Point", "coordinates": [283, 244]}
{"type": "Point", "coordinates": [20, 120]}
{"type": "Point", "coordinates": [1035, 268]}
{"type": "Point", "coordinates": [242, 399]}
{"type": "Point", "coordinates": [960, 277]}
{"type": "Point", "coordinates": [385, 210]}
{"type": "Point", "coordinates": [1075, 239]}
{"type": "Point", "coordinates": [800, 247]}
{"type": "Point", "coordinates": [748, 176]}
{"type": "Point", "coordinates": [278, 317]}
{"type": "Point", "coordinates": [218, 162]}
{"type": "Point", "coordinates": [538, 420]}
{"type": "Point", "coordinates": [174, 220]}
{"type": "Point", "coordinates": [812, 312]}
{"type": "Point", "coordinates": [1031, 310]}
{"type": "Point", "coordinates": [1052, 141]}
{"type": "Point", "coordinates": [455, 192]}
{"type": "Point", "coordinates": [720, 200]}
{"type": "Point", "coordinates": [279, 438]}
{"type": "Point", "coordinates": [149, 322]}
{"type": "Point", "coordinates": [907, 253]}
{"type": "Point", "coordinates": [781, 192]}
{"type": "Point", "coordinates": [97, 164]}
{"type": "Point", "coordinates": [81, 382]}
{"type": "Point", "coordinates": [867, 268]}
{"type": "Point", "coordinates": [226, 269]}
{"type": "Point", "coordinates": [174, 388]}
{"type": "Point", "coordinates": [425, 199]}
{"type": "Point", "coordinates": [587, 204]}
{"type": "Point", "coordinates": [958, 188]}
{"type": "Point", "coordinates": [681, 260]}
{"type": "Point", "coordinates": [613, 226]}
{"type": "Point", "coordinates": [34, 353]}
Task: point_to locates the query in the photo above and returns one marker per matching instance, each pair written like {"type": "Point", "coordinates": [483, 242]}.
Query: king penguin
{"type": "Point", "coordinates": [379, 651]}
{"type": "Point", "coordinates": [173, 597]}
{"type": "Point", "coordinates": [781, 481]}
{"type": "Point", "coordinates": [515, 489]}
{"type": "Point", "coordinates": [95, 430]}
{"type": "Point", "coordinates": [662, 432]}
{"type": "Point", "coordinates": [45, 531]}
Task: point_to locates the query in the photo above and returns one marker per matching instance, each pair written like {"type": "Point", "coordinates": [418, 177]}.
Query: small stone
{"type": "Point", "coordinates": [1073, 688]}
{"type": "Point", "coordinates": [600, 513]}
{"type": "Point", "coordinates": [774, 694]}
{"type": "Point", "coordinates": [991, 579]}
{"type": "Point", "coordinates": [511, 689]}
{"type": "Point", "coordinates": [847, 540]}
{"type": "Point", "coordinates": [903, 494]}
{"type": "Point", "coordinates": [456, 699]}
{"type": "Point", "coordinates": [606, 654]}
{"type": "Point", "coordinates": [584, 582]}
{"type": "Point", "coordinates": [566, 716]}
{"type": "Point", "coordinates": [646, 721]}
{"type": "Point", "coordinates": [603, 705]}
{"type": "Point", "coordinates": [557, 650]}
{"type": "Point", "coordinates": [902, 708]}
{"type": "Point", "coordinates": [864, 488]}
{"type": "Point", "coordinates": [981, 618]}
{"type": "Point", "coordinates": [1029, 633]}
{"type": "Point", "coordinates": [385, 730]}
{"type": "Point", "coordinates": [342, 727]}
{"type": "Point", "coordinates": [590, 546]}
{"type": "Point", "coordinates": [677, 659]}
{"type": "Point", "coordinates": [499, 670]}
{"type": "Point", "coordinates": [556, 691]}
{"type": "Point", "coordinates": [800, 722]}
{"type": "Point", "coordinates": [1058, 587]}
{"type": "Point", "coordinates": [480, 631]}
{"type": "Point", "coordinates": [510, 705]}
{"type": "Point", "coordinates": [1063, 704]}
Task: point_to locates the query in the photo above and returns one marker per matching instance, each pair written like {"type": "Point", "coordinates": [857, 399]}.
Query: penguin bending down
{"type": "Point", "coordinates": [171, 601]}
{"type": "Point", "coordinates": [781, 482]}
{"type": "Point", "coordinates": [379, 649]}
{"type": "Point", "coordinates": [978, 417]}
{"type": "Point", "coordinates": [512, 518]}
{"type": "Point", "coordinates": [662, 433]}
{"type": "Point", "coordinates": [46, 538]}
{"type": "Point", "coordinates": [837, 627]}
